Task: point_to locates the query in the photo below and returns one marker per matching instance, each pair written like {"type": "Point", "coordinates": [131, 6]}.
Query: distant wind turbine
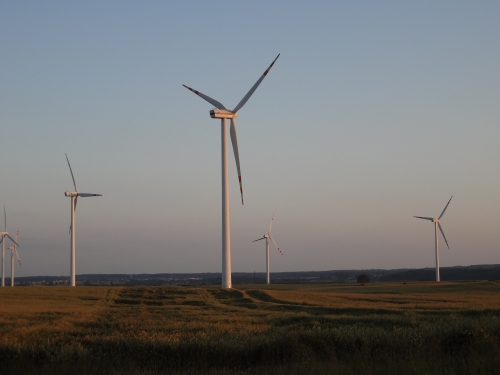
{"type": "Point", "coordinates": [13, 249]}
{"type": "Point", "coordinates": [74, 199]}
{"type": "Point", "coordinates": [220, 112]}
{"type": "Point", "coordinates": [268, 237]}
{"type": "Point", "coordinates": [3, 235]}
{"type": "Point", "coordinates": [436, 225]}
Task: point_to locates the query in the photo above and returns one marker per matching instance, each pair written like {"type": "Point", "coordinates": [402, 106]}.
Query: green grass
{"type": "Point", "coordinates": [414, 328]}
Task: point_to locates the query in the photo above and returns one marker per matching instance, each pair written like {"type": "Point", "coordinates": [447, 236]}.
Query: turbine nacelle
{"type": "Point", "coordinates": [435, 220]}
{"type": "Point", "coordinates": [222, 113]}
{"type": "Point", "coordinates": [77, 194]}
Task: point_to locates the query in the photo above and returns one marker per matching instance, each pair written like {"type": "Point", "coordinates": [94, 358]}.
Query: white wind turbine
{"type": "Point", "coordinates": [268, 237]}
{"type": "Point", "coordinates": [74, 199]}
{"type": "Point", "coordinates": [5, 234]}
{"type": "Point", "coordinates": [220, 112]}
{"type": "Point", "coordinates": [436, 225]}
{"type": "Point", "coordinates": [13, 249]}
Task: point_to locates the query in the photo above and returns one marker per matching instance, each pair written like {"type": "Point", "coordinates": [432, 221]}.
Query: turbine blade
{"type": "Point", "coordinates": [86, 195]}
{"type": "Point", "coordinates": [207, 98]}
{"type": "Point", "coordinates": [254, 87]}
{"type": "Point", "coordinates": [15, 250]}
{"type": "Point", "coordinates": [2, 240]}
{"type": "Point", "coordinates": [426, 218]}
{"type": "Point", "coordinates": [275, 244]}
{"type": "Point", "coordinates": [271, 225]}
{"type": "Point", "coordinates": [18, 259]}
{"type": "Point", "coordinates": [73, 177]}
{"type": "Point", "coordinates": [441, 229]}
{"type": "Point", "coordinates": [12, 240]}
{"type": "Point", "coordinates": [263, 238]}
{"type": "Point", "coordinates": [5, 217]}
{"type": "Point", "coordinates": [234, 141]}
{"type": "Point", "coordinates": [442, 213]}
{"type": "Point", "coordinates": [17, 236]}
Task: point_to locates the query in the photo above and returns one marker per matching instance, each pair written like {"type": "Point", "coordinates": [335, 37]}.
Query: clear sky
{"type": "Point", "coordinates": [375, 112]}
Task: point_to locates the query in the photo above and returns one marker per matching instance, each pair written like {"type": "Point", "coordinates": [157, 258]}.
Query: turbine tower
{"type": "Point", "coordinates": [3, 235]}
{"type": "Point", "coordinates": [220, 112]}
{"type": "Point", "coordinates": [436, 226]}
{"type": "Point", "coordinates": [74, 199]}
{"type": "Point", "coordinates": [268, 237]}
{"type": "Point", "coordinates": [13, 249]}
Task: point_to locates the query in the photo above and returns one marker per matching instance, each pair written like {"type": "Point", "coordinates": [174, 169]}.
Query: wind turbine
{"type": "Point", "coordinates": [74, 199]}
{"type": "Point", "coordinates": [268, 237]}
{"type": "Point", "coordinates": [220, 112]}
{"type": "Point", "coordinates": [13, 249]}
{"type": "Point", "coordinates": [3, 235]}
{"type": "Point", "coordinates": [436, 225]}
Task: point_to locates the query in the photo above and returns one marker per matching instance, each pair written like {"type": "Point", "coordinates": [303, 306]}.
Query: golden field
{"type": "Point", "coordinates": [331, 329]}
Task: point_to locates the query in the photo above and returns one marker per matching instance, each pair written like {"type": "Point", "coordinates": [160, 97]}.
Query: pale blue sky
{"type": "Point", "coordinates": [375, 112]}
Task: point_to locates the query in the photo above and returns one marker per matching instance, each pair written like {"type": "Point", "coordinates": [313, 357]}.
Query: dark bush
{"type": "Point", "coordinates": [363, 279]}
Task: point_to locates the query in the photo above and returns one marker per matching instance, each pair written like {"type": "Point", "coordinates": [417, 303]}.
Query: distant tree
{"type": "Point", "coordinates": [362, 279]}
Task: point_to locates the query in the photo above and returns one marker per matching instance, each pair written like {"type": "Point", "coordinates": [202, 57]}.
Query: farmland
{"type": "Point", "coordinates": [388, 328]}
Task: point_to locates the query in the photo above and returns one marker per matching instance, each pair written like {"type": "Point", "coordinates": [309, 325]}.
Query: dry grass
{"type": "Point", "coordinates": [415, 296]}
{"type": "Point", "coordinates": [188, 328]}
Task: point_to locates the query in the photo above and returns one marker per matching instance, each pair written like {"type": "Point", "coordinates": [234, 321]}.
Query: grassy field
{"type": "Point", "coordinates": [413, 328]}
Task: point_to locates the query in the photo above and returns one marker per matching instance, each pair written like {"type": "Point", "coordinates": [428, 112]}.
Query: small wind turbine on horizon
{"type": "Point", "coordinates": [74, 199]}
{"type": "Point", "coordinates": [5, 234]}
{"type": "Point", "coordinates": [268, 237]}
{"type": "Point", "coordinates": [220, 112]}
{"type": "Point", "coordinates": [437, 225]}
{"type": "Point", "coordinates": [13, 250]}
